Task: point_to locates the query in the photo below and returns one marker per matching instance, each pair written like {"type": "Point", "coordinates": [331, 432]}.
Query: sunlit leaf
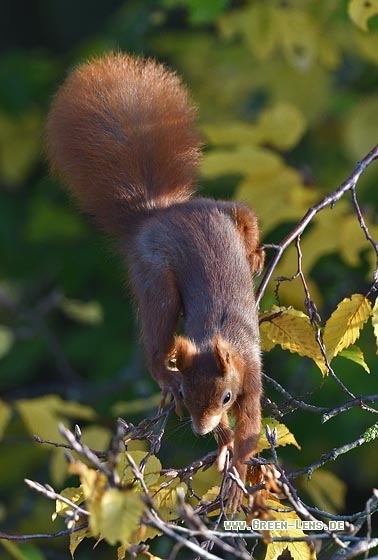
{"type": "Point", "coordinates": [120, 515]}
{"type": "Point", "coordinates": [374, 320]}
{"type": "Point", "coordinates": [6, 340]}
{"type": "Point", "coordinates": [292, 330]}
{"type": "Point", "coordinates": [299, 550]}
{"type": "Point", "coordinates": [87, 312]}
{"type": "Point", "coordinates": [76, 537]}
{"type": "Point", "coordinates": [151, 472]}
{"type": "Point", "coordinates": [284, 436]}
{"type": "Point", "coordinates": [367, 45]}
{"type": "Point", "coordinates": [93, 485]}
{"type": "Point", "coordinates": [41, 416]}
{"type": "Point", "coordinates": [230, 133]}
{"type": "Point", "coordinates": [298, 37]}
{"type": "Point", "coordinates": [5, 414]}
{"type": "Point", "coordinates": [344, 326]}
{"type": "Point", "coordinates": [75, 495]}
{"type": "Point", "coordinates": [241, 160]}
{"type": "Point", "coordinates": [360, 130]}
{"type": "Point", "coordinates": [20, 146]}
{"type": "Point", "coordinates": [361, 11]}
{"type": "Point", "coordinates": [327, 491]}
{"type": "Point", "coordinates": [165, 498]}
{"type": "Point", "coordinates": [260, 29]}
{"type": "Point", "coordinates": [352, 240]}
{"type": "Point", "coordinates": [281, 126]}
{"type": "Point", "coordinates": [94, 436]}
{"type": "Point", "coordinates": [291, 198]}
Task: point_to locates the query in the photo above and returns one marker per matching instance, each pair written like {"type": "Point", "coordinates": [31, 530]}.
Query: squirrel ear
{"type": "Point", "coordinates": [184, 352]}
{"type": "Point", "coordinates": [222, 354]}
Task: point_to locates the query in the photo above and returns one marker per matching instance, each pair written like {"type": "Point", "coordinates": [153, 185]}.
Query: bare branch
{"type": "Point", "coordinates": [329, 200]}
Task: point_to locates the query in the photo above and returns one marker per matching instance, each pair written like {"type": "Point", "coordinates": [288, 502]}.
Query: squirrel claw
{"type": "Point", "coordinates": [234, 496]}
{"type": "Point", "coordinates": [178, 404]}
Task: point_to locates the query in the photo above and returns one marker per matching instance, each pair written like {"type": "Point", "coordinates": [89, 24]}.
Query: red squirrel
{"type": "Point", "coordinates": [122, 135]}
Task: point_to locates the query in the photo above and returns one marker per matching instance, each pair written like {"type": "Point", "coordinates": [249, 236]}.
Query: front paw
{"type": "Point", "coordinates": [223, 453]}
{"type": "Point", "coordinates": [234, 492]}
{"type": "Point", "coordinates": [170, 384]}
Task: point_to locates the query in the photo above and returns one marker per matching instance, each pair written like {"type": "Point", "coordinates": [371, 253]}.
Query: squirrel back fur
{"type": "Point", "coordinates": [121, 134]}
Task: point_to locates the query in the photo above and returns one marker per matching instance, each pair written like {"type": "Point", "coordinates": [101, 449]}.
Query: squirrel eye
{"type": "Point", "coordinates": [227, 397]}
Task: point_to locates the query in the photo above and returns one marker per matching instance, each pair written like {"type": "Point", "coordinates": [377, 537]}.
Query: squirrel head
{"type": "Point", "coordinates": [211, 380]}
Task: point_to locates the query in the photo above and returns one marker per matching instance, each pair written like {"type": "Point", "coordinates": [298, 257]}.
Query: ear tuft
{"type": "Point", "coordinates": [222, 354]}
{"type": "Point", "coordinates": [184, 352]}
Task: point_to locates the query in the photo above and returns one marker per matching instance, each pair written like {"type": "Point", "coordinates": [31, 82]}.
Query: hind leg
{"type": "Point", "coordinates": [247, 225]}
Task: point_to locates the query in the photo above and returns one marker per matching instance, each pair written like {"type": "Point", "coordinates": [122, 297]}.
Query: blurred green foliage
{"type": "Point", "coordinates": [66, 324]}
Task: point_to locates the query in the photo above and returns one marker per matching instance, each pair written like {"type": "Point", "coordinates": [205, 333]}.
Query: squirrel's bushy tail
{"type": "Point", "coordinates": [121, 133]}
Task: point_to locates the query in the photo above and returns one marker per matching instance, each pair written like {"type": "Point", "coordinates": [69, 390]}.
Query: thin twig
{"type": "Point", "coordinates": [329, 200]}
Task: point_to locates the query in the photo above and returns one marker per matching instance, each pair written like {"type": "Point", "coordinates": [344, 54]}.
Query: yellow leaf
{"type": "Point", "coordinates": [6, 340]}
{"type": "Point", "coordinates": [360, 128]}
{"type": "Point", "coordinates": [281, 126]}
{"type": "Point", "coordinates": [231, 133]}
{"type": "Point", "coordinates": [292, 330]}
{"type": "Point", "coordinates": [298, 37]}
{"type": "Point", "coordinates": [136, 406]}
{"type": "Point", "coordinates": [352, 239]}
{"type": "Point", "coordinates": [284, 436]}
{"type": "Point", "coordinates": [5, 414]}
{"type": "Point", "coordinates": [327, 490]}
{"type": "Point", "coordinates": [77, 537]}
{"type": "Point", "coordinates": [93, 484]}
{"type": "Point", "coordinates": [361, 11]}
{"type": "Point", "coordinates": [120, 515]}
{"type": "Point", "coordinates": [343, 327]}
{"type": "Point", "coordinates": [260, 29]}
{"type": "Point", "coordinates": [299, 550]}
{"type": "Point", "coordinates": [165, 498]}
{"type": "Point", "coordinates": [42, 415]}
{"type": "Point", "coordinates": [374, 321]}
{"type": "Point", "coordinates": [367, 45]}
{"type": "Point", "coordinates": [19, 145]}
{"type": "Point", "coordinates": [291, 198]}
{"type": "Point", "coordinates": [211, 494]}
{"type": "Point", "coordinates": [75, 495]}
{"type": "Point", "coordinates": [88, 312]}
{"type": "Point", "coordinates": [241, 160]}
{"type": "Point", "coordinates": [151, 472]}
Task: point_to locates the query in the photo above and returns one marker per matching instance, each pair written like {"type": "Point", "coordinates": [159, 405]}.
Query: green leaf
{"type": "Point", "coordinates": [354, 354]}
{"type": "Point", "coordinates": [5, 414]}
{"type": "Point", "coordinates": [6, 340]}
{"type": "Point", "coordinates": [87, 312]}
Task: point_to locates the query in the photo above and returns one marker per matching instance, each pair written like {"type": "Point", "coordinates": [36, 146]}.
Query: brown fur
{"type": "Point", "coordinates": [121, 133]}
